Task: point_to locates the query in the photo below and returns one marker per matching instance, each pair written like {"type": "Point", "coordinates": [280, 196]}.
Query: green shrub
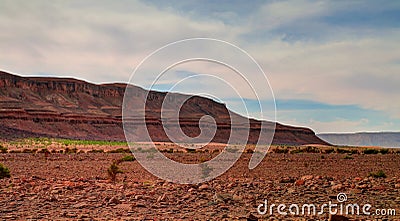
{"type": "Point", "coordinates": [112, 171]}
{"type": "Point", "coordinates": [4, 172]}
{"type": "Point", "coordinates": [371, 151]}
{"type": "Point", "coordinates": [379, 174]}
{"type": "Point", "coordinates": [128, 158]}
{"type": "Point", "coordinates": [3, 149]}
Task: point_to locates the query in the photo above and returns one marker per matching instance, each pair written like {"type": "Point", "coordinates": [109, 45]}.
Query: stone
{"type": "Point", "coordinates": [299, 182]}
{"type": "Point", "coordinates": [80, 205]}
{"type": "Point", "coordinates": [307, 177]}
{"type": "Point", "coordinates": [114, 200]}
{"type": "Point", "coordinates": [123, 206]}
{"type": "Point", "coordinates": [203, 187]}
{"type": "Point", "coordinates": [337, 187]}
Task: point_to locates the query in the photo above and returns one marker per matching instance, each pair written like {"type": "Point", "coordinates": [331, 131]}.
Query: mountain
{"type": "Point", "coordinates": [381, 139]}
{"type": "Point", "coordinates": [75, 109]}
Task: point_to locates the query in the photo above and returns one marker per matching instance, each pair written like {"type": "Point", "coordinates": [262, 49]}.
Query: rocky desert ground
{"type": "Point", "coordinates": [76, 186]}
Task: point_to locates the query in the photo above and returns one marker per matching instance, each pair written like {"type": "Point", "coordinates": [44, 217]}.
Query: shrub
{"type": "Point", "coordinates": [120, 150]}
{"type": "Point", "coordinates": [96, 151]}
{"type": "Point", "coordinates": [348, 157]}
{"type": "Point", "coordinates": [311, 149]}
{"type": "Point", "coordinates": [128, 158]}
{"type": "Point", "coordinates": [15, 151]}
{"type": "Point", "coordinates": [370, 151]}
{"type": "Point", "coordinates": [297, 151]}
{"type": "Point", "coordinates": [68, 150]}
{"type": "Point", "coordinates": [112, 171]}
{"type": "Point", "coordinates": [384, 151]}
{"type": "Point", "coordinates": [29, 151]}
{"type": "Point", "coordinates": [3, 149]}
{"type": "Point", "coordinates": [279, 150]}
{"type": "Point", "coordinates": [379, 174]}
{"type": "Point", "coordinates": [330, 150]}
{"type": "Point", "coordinates": [249, 151]}
{"type": "Point", "coordinates": [191, 150]}
{"type": "Point", "coordinates": [354, 151]}
{"type": "Point", "coordinates": [44, 150]}
{"type": "Point", "coordinates": [4, 172]}
{"type": "Point", "coordinates": [340, 150]}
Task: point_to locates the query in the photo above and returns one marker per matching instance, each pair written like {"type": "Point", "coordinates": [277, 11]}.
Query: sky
{"type": "Point", "coordinates": [333, 66]}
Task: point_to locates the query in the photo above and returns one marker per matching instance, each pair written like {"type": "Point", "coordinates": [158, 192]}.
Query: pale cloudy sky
{"type": "Point", "coordinates": [334, 66]}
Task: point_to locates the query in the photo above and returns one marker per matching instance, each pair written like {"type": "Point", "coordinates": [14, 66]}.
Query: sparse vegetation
{"type": "Point", "coordinates": [311, 149]}
{"type": "Point", "coordinates": [128, 158]}
{"type": "Point", "coordinates": [3, 149]}
{"type": "Point", "coordinates": [371, 151]}
{"type": "Point", "coordinates": [4, 172]}
{"type": "Point", "coordinates": [328, 151]}
{"type": "Point", "coordinates": [378, 174]}
{"type": "Point", "coordinates": [120, 150]}
{"type": "Point", "coordinates": [68, 142]}
{"type": "Point", "coordinates": [348, 157]}
{"type": "Point", "coordinates": [191, 150]}
{"type": "Point", "coordinates": [249, 151]}
{"type": "Point", "coordinates": [384, 151]}
{"type": "Point", "coordinates": [96, 151]}
{"type": "Point", "coordinates": [112, 171]}
{"type": "Point", "coordinates": [29, 151]}
{"type": "Point", "coordinates": [281, 150]}
{"type": "Point", "coordinates": [342, 150]}
{"type": "Point", "coordinates": [69, 151]}
{"type": "Point", "coordinates": [296, 151]}
{"type": "Point", "coordinates": [44, 150]}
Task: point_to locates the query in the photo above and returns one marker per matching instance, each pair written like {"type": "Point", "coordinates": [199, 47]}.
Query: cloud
{"type": "Point", "coordinates": [337, 53]}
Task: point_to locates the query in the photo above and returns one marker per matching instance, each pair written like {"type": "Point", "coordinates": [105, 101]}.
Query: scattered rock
{"type": "Point", "coordinates": [203, 187]}
{"type": "Point", "coordinates": [114, 200]}
{"type": "Point", "coordinates": [123, 206]}
{"type": "Point", "coordinates": [307, 177]}
{"type": "Point", "coordinates": [337, 187]}
{"type": "Point", "coordinates": [299, 182]}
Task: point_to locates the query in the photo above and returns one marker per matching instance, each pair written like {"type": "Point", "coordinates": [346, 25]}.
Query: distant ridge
{"type": "Point", "coordinates": [75, 109]}
{"type": "Point", "coordinates": [381, 139]}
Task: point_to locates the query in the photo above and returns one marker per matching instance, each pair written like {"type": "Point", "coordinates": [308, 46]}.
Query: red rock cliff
{"type": "Point", "coordinates": [75, 109]}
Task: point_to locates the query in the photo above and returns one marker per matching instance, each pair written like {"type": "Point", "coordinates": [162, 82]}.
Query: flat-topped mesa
{"type": "Point", "coordinates": [61, 85]}
{"type": "Point", "coordinates": [75, 109]}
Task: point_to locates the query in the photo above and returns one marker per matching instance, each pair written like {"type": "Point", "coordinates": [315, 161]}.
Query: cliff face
{"type": "Point", "coordinates": [70, 108]}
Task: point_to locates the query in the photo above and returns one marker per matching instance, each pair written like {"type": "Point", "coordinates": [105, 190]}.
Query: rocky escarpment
{"type": "Point", "coordinates": [75, 109]}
